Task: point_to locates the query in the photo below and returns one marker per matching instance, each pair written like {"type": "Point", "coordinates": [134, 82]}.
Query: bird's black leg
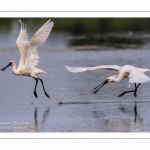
{"type": "Point", "coordinates": [44, 88]}
{"type": "Point", "coordinates": [135, 90]}
{"type": "Point", "coordinates": [35, 94]}
{"type": "Point", "coordinates": [136, 87]}
{"type": "Point", "coordinates": [125, 93]}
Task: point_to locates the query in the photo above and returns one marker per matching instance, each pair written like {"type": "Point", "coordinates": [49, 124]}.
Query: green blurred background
{"type": "Point", "coordinates": [84, 25]}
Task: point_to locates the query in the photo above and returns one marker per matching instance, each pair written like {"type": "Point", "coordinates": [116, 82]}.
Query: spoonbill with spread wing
{"type": "Point", "coordinates": [135, 75]}
{"type": "Point", "coordinates": [29, 54]}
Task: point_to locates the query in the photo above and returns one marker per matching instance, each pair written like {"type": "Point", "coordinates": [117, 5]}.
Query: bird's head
{"type": "Point", "coordinates": [112, 78]}
{"type": "Point", "coordinates": [108, 80]}
{"type": "Point", "coordinates": [11, 63]}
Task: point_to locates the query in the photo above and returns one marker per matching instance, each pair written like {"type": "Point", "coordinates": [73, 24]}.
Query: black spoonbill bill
{"type": "Point", "coordinates": [29, 54]}
{"type": "Point", "coordinates": [135, 75]}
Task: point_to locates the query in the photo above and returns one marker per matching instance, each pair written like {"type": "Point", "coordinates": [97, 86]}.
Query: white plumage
{"type": "Point", "coordinates": [29, 57]}
{"type": "Point", "coordinates": [135, 75]}
{"type": "Point", "coordinates": [82, 69]}
{"type": "Point", "coordinates": [28, 49]}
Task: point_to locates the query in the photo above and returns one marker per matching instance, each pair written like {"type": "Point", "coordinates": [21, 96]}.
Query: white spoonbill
{"type": "Point", "coordinates": [29, 54]}
{"type": "Point", "coordinates": [135, 75]}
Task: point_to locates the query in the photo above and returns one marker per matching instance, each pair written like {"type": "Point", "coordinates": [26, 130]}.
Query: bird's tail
{"type": "Point", "coordinates": [42, 71]}
{"type": "Point", "coordinates": [39, 71]}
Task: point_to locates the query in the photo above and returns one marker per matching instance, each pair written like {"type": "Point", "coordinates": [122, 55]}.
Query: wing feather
{"type": "Point", "coordinates": [39, 38]}
{"type": "Point", "coordinates": [22, 43]}
{"type": "Point", "coordinates": [82, 69]}
{"type": "Point", "coordinates": [42, 34]}
{"type": "Point", "coordinates": [143, 70]}
{"type": "Point", "coordinates": [136, 76]}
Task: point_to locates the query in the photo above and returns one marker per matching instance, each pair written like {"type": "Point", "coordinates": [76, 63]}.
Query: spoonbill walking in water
{"type": "Point", "coordinates": [135, 75]}
{"type": "Point", "coordinates": [29, 54]}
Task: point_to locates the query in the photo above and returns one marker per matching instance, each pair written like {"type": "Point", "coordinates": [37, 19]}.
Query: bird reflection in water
{"type": "Point", "coordinates": [138, 126]}
{"type": "Point", "coordinates": [45, 115]}
{"type": "Point", "coordinates": [137, 116]}
{"type": "Point", "coordinates": [135, 111]}
{"type": "Point", "coordinates": [35, 118]}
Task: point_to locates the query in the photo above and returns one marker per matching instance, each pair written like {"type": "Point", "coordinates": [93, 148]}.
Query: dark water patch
{"type": "Point", "coordinates": [113, 41]}
{"type": "Point", "coordinates": [60, 103]}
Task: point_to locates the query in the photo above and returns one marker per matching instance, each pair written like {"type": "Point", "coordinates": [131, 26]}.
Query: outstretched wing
{"type": "Point", "coordinates": [39, 38]}
{"type": "Point", "coordinates": [82, 69]}
{"type": "Point", "coordinates": [136, 76]}
{"type": "Point", "coordinates": [143, 70]}
{"type": "Point", "coordinates": [22, 43]}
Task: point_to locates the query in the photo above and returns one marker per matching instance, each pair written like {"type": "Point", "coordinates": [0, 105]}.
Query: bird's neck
{"type": "Point", "coordinates": [14, 69]}
{"type": "Point", "coordinates": [119, 78]}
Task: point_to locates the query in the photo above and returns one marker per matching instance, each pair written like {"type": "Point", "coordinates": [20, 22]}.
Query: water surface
{"type": "Point", "coordinates": [81, 110]}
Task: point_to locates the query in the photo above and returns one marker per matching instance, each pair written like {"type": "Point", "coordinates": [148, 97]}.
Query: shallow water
{"type": "Point", "coordinates": [80, 110]}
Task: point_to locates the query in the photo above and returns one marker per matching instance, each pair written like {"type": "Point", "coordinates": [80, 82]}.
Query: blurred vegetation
{"type": "Point", "coordinates": [83, 25]}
